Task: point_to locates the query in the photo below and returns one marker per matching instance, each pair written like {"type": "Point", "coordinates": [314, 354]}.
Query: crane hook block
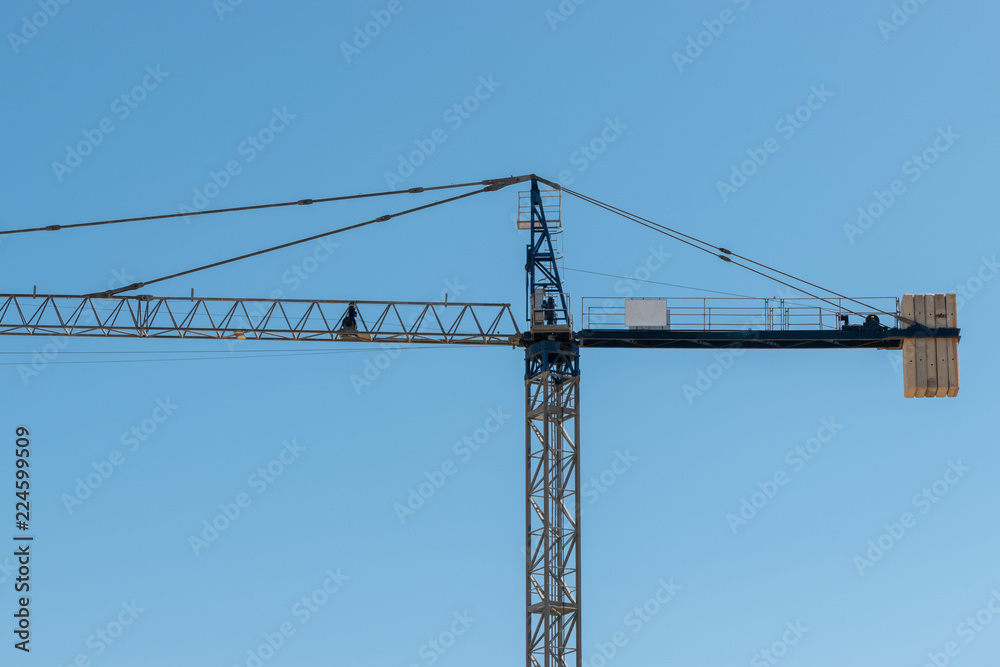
{"type": "Point", "coordinates": [930, 363]}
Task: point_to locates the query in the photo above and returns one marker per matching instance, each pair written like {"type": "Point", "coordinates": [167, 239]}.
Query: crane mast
{"type": "Point", "coordinates": [552, 455]}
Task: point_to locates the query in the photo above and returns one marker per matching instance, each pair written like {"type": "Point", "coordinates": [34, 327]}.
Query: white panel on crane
{"type": "Point", "coordinates": [647, 313]}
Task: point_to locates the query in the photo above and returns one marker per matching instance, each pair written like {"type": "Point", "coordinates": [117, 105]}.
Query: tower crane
{"type": "Point", "coordinates": [923, 326]}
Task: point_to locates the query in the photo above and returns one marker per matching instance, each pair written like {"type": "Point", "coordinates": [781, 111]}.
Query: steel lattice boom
{"type": "Point", "coordinates": [259, 319]}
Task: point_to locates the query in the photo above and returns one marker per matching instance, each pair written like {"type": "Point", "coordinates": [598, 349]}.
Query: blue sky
{"type": "Point", "coordinates": [125, 109]}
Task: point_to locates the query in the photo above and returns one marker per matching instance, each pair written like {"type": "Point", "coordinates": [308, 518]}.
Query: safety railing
{"type": "Point", "coordinates": [547, 311]}
{"type": "Point", "coordinates": [728, 314]}
{"type": "Point", "coordinates": [551, 205]}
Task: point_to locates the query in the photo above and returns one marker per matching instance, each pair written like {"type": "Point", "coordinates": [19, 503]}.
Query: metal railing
{"type": "Point", "coordinates": [729, 314]}
{"type": "Point", "coordinates": [544, 314]}
{"type": "Point", "coordinates": [551, 204]}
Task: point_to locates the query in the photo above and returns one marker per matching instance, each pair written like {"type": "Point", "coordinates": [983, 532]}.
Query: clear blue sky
{"type": "Point", "coordinates": [672, 97]}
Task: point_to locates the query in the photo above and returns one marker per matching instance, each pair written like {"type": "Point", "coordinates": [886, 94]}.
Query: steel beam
{"type": "Point", "coordinates": [889, 339]}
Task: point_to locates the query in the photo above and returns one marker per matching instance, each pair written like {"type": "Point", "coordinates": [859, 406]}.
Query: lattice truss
{"type": "Point", "coordinates": [260, 319]}
{"type": "Point", "coordinates": [553, 510]}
